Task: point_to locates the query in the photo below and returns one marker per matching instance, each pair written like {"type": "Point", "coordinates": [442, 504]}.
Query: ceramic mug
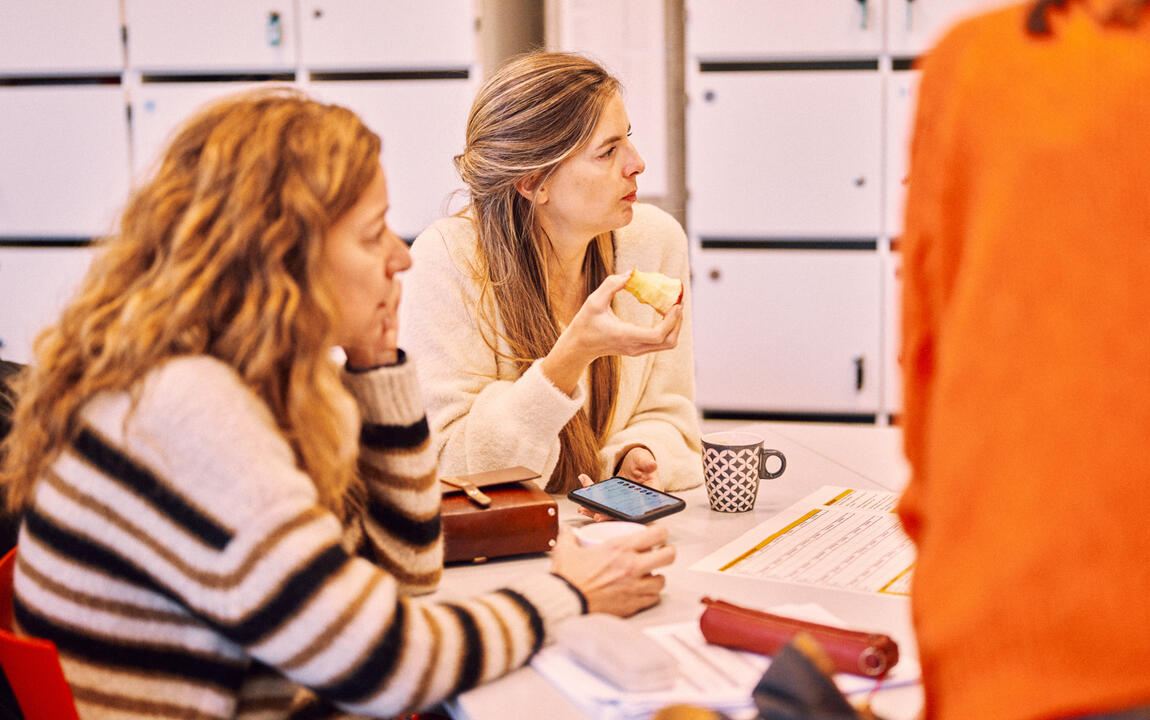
{"type": "Point", "coordinates": [733, 464]}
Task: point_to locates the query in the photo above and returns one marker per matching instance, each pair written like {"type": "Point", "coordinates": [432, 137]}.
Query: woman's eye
{"type": "Point", "coordinates": [609, 152]}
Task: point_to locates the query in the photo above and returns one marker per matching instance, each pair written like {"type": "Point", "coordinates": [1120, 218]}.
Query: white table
{"type": "Point", "coordinates": [864, 457]}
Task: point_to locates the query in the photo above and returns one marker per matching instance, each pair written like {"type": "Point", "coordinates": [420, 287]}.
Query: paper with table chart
{"type": "Point", "coordinates": [708, 675]}
{"type": "Point", "coordinates": [836, 537]}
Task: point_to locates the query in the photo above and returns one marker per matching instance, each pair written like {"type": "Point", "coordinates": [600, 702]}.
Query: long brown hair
{"type": "Point", "coordinates": [217, 254]}
{"type": "Point", "coordinates": [531, 115]}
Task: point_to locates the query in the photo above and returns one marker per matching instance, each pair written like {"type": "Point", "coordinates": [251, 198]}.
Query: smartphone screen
{"type": "Point", "coordinates": [626, 500]}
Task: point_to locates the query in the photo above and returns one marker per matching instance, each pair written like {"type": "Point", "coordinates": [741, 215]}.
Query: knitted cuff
{"type": "Point", "coordinates": [577, 591]}
{"type": "Point", "coordinates": [400, 358]}
{"type": "Point", "coordinates": [622, 454]}
{"type": "Point", "coordinates": [388, 394]}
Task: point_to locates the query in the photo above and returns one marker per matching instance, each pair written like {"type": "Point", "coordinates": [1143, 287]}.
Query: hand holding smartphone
{"type": "Point", "coordinates": [624, 499]}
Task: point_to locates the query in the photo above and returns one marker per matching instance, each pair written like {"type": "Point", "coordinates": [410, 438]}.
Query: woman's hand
{"type": "Point", "coordinates": [639, 465]}
{"type": "Point", "coordinates": [596, 331]}
{"type": "Point", "coordinates": [601, 331]}
{"type": "Point", "coordinates": [586, 481]}
{"type": "Point", "coordinates": [380, 345]}
{"type": "Point", "coordinates": [617, 576]}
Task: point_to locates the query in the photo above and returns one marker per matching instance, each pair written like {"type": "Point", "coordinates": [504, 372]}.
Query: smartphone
{"type": "Point", "coordinates": [624, 499]}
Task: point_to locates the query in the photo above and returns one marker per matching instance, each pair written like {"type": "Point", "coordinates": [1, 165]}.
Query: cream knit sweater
{"type": "Point", "coordinates": [484, 415]}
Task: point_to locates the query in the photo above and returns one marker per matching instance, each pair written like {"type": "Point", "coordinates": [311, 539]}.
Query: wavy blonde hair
{"type": "Point", "coordinates": [218, 254]}
{"type": "Point", "coordinates": [531, 115]}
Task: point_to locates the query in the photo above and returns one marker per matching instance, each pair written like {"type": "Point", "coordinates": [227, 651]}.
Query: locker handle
{"type": "Point", "coordinates": [275, 29]}
{"type": "Point", "coordinates": [860, 372]}
{"type": "Point", "coordinates": [865, 8]}
{"type": "Point", "coordinates": [909, 15]}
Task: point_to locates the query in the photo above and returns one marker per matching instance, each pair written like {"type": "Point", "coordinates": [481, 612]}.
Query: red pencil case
{"type": "Point", "coordinates": [851, 651]}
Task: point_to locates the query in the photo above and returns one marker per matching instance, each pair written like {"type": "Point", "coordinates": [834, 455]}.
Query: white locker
{"type": "Point", "coordinates": [785, 154]}
{"type": "Point", "coordinates": [209, 36]}
{"type": "Point", "coordinates": [749, 30]}
{"type": "Point", "coordinates": [787, 330]}
{"type": "Point", "coordinates": [422, 124]}
{"type": "Point", "coordinates": [914, 26]}
{"type": "Point", "coordinates": [892, 334]}
{"type": "Point", "coordinates": [373, 35]}
{"type": "Point", "coordinates": [35, 284]}
{"type": "Point", "coordinates": [901, 94]}
{"type": "Point", "coordinates": [65, 157]}
{"type": "Point", "coordinates": [61, 37]}
{"type": "Point", "coordinates": [158, 109]}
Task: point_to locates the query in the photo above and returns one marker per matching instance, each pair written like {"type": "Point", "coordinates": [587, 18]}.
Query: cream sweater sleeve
{"type": "Point", "coordinates": [483, 414]}
{"type": "Point", "coordinates": [656, 403]}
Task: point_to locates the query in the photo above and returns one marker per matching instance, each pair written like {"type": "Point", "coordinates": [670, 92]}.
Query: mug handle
{"type": "Point", "coordinates": [765, 453]}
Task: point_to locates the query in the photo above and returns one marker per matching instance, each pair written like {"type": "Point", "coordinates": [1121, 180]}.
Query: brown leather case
{"type": "Point", "coordinates": [520, 518]}
{"type": "Point", "coordinates": [851, 651]}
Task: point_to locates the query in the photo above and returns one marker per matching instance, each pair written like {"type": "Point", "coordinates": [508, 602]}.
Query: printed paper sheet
{"type": "Point", "coordinates": [836, 537]}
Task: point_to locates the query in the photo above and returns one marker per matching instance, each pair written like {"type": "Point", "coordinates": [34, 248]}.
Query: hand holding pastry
{"type": "Point", "coordinates": [596, 331]}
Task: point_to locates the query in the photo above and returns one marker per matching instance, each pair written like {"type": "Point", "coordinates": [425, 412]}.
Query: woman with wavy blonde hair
{"type": "Point", "coordinates": [527, 354]}
{"type": "Point", "coordinates": [202, 534]}
{"type": "Point", "coordinates": [169, 285]}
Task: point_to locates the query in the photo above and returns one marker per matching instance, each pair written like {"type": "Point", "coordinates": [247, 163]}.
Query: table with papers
{"type": "Point", "coordinates": [821, 544]}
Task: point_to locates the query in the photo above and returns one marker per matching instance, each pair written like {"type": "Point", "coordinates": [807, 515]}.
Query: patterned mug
{"type": "Point", "coordinates": [733, 464]}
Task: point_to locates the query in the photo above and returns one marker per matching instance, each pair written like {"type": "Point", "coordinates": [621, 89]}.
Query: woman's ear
{"type": "Point", "coordinates": [532, 189]}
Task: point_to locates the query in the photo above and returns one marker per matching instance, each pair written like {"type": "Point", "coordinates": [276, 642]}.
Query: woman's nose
{"type": "Point", "coordinates": [635, 164]}
{"type": "Point", "coordinates": [399, 259]}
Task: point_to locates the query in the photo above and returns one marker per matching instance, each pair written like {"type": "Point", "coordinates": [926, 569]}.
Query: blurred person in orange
{"type": "Point", "coordinates": [1026, 360]}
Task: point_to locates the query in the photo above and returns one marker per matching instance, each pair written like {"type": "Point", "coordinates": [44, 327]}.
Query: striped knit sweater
{"type": "Point", "coordinates": [178, 558]}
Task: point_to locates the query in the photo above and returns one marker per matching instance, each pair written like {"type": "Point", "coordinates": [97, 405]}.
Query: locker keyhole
{"type": "Point", "coordinates": [275, 29]}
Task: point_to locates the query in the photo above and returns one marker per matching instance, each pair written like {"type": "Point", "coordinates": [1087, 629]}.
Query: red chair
{"type": "Point", "coordinates": [32, 665]}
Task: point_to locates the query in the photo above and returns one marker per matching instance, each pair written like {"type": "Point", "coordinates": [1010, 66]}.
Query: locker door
{"type": "Point", "coordinates": [892, 288]}
{"type": "Point", "coordinates": [785, 153]}
{"type": "Point", "coordinates": [743, 30]}
{"type": "Point", "coordinates": [35, 283]}
{"type": "Point", "coordinates": [166, 36]}
{"type": "Point", "coordinates": [65, 154]}
{"type": "Point", "coordinates": [913, 26]}
{"type": "Point", "coordinates": [422, 123]}
{"type": "Point", "coordinates": [159, 108]}
{"type": "Point", "coordinates": [367, 34]}
{"type": "Point", "coordinates": [900, 99]}
{"type": "Point", "coordinates": [786, 330]}
{"type": "Point", "coordinates": [52, 36]}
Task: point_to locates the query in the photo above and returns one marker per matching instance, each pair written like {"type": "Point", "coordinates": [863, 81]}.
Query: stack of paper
{"type": "Point", "coordinates": [709, 675]}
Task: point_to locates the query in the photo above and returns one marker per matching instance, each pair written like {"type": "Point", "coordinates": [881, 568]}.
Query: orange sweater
{"type": "Point", "coordinates": [1026, 355]}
